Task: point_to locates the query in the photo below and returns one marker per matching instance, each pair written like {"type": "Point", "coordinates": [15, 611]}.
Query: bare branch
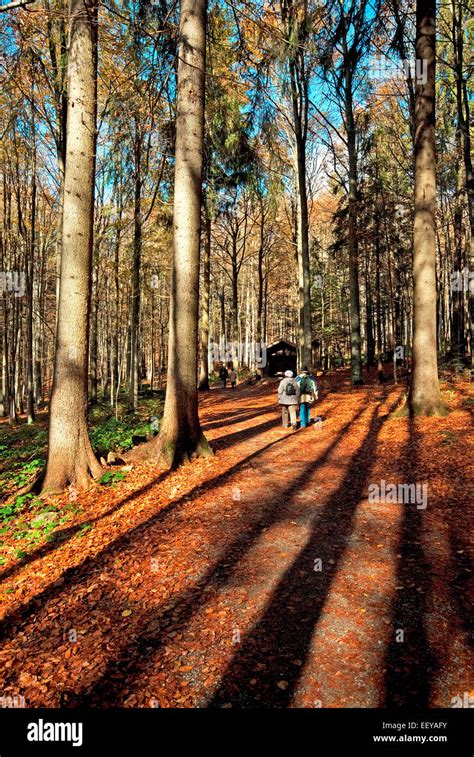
{"type": "Point", "coordinates": [15, 4]}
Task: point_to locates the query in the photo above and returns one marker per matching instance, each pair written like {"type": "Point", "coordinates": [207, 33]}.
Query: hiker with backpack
{"type": "Point", "coordinates": [308, 394]}
{"type": "Point", "coordinates": [224, 375]}
{"type": "Point", "coordinates": [289, 397]}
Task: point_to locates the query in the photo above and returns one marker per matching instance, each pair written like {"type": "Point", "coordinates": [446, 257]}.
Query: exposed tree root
{"type": "Point", "coordinates": [31, 486]}
{"type": "Point", "coordinates": [171, 451]}
{"type": "Point", "coordinates": [80, 471]}
{"type": "Point", "coordinates": [423, 409]}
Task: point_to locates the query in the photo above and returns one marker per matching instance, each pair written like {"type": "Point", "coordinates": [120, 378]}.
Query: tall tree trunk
{"type": "Point", "coordinates": [137, 251]}
{"type": "Point", "coordinates": [296, 28]}
{"type": "Point", "coordinates": [15, 398]}
{"type": "Point", "coordinates": [29, 326]}
{"type": "Point", "coordinates": [305, 337]}
{"type": "Point", "coordinates": [260, 326]}
{"type": "Point", "coordinates": [4, 396]}
{"type": "Point", "coordinates": [457, 330]}
{"type": "Point", "coordinates": [265, 311]}
{"type": "Point", "coordinates": [369, 317]}
{"type": "Point", "coordinates": [3, 390]}
{"type": "Point", "coordinates": [40, 337]}
{"type": "Point", "coordinates": [94, 323]}
{"type": "Point", "coordinates": [5, 403]}
{"type": "Point", "coordinates": [424, 397]}
{"type": "Point", "coordinates": [70, 455]}
{"type": "Point", "coordinates": [205, 309]}
{"type": "Point", "coordinates": [370, 326]}
{"type": "Point", "coordinates": [378, 318]}
{"type": "Point", "coordinates": [116, 299]}
{"type": "Point", "coordinates": [222, 340]}
{"type": "Point", "coordinates": [181, 437]}
{"type": "Point", "coordinates": [105, 344]}
{"type": "Point", "coordinates": [463, 110]}
{"type": "Point", "coordinates": [356, 356]}
{"type": "Point", "coordinates": [235, 308]}
{"type": "Point", "coordinates": [153, 341]}
{"type": "Point", "coordinates": [467, 152]}
{"type": "Point", "coordinates": [302, 227]}
{"type": "Point", "coordinates": [30, 265]}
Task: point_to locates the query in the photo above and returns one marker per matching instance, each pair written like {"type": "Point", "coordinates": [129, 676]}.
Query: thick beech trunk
{"type": "Point", "coordinates": [70, 455]}
{"type": "Point", "coordinates": [181, 437]}
{"type": "Point", "coordinates": [424, 397]}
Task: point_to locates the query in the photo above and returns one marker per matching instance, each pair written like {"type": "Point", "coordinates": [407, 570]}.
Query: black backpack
{"type": "Point", "coordinates": [306, 385]}
{"type": "Point", "coordinates": [290, 389]}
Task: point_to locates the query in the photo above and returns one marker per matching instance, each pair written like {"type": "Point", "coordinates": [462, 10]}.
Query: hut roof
{"type": "Point", "coordinates": [282, 344]}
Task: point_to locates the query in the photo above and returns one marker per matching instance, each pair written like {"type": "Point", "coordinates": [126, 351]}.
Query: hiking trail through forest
{"type": "Point", "coordinates": [262, 576]}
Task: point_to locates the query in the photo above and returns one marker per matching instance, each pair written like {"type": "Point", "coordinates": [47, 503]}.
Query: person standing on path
{"type": "Point", "coordinates": [224, 375]}
{"type": "Point", "coordinates": [289, 397]}
{"type": "Point", "coordinates": [309, 393]}
{"type": "Point", "coordinates": [233, 378]}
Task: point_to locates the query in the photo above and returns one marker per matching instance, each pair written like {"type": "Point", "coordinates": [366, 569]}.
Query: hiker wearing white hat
{"type": "Point", "coordinates": [289, 397]}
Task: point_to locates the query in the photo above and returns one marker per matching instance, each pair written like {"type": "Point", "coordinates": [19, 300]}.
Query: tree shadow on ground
{"type": "Point", "coordinates": [276, 649]}
{"type": "Point", "coordinates": [76, 572]}
{"type": "Point", "coordinates": [458, 515]}
{"type": "Point", "coordinates": [462, 581]}
{"type": "Point", "coordinates": [228, 440]}
{"type": "Point", "coordinates": [64, 535]}
{"type": "Point", "coordinates": [136, 655]}
{"type": "Point", "coordinates": [238, 417]}
{"type": "Point", "coordinates": [410, 662]}
{"type": "Point", "coordinates": [139, 647]}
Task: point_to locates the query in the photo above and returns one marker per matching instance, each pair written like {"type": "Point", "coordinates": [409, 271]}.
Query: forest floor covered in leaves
{"type": "Point", "coordinates": [262, 576]}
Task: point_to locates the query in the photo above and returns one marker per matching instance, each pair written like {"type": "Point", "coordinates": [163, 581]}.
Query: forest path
{"type": "Point", "coordinates": [262, 576]}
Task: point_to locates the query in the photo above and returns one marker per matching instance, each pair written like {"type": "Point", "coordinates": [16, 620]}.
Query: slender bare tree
{"type": "Point", "coordinates": [205, 308]}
